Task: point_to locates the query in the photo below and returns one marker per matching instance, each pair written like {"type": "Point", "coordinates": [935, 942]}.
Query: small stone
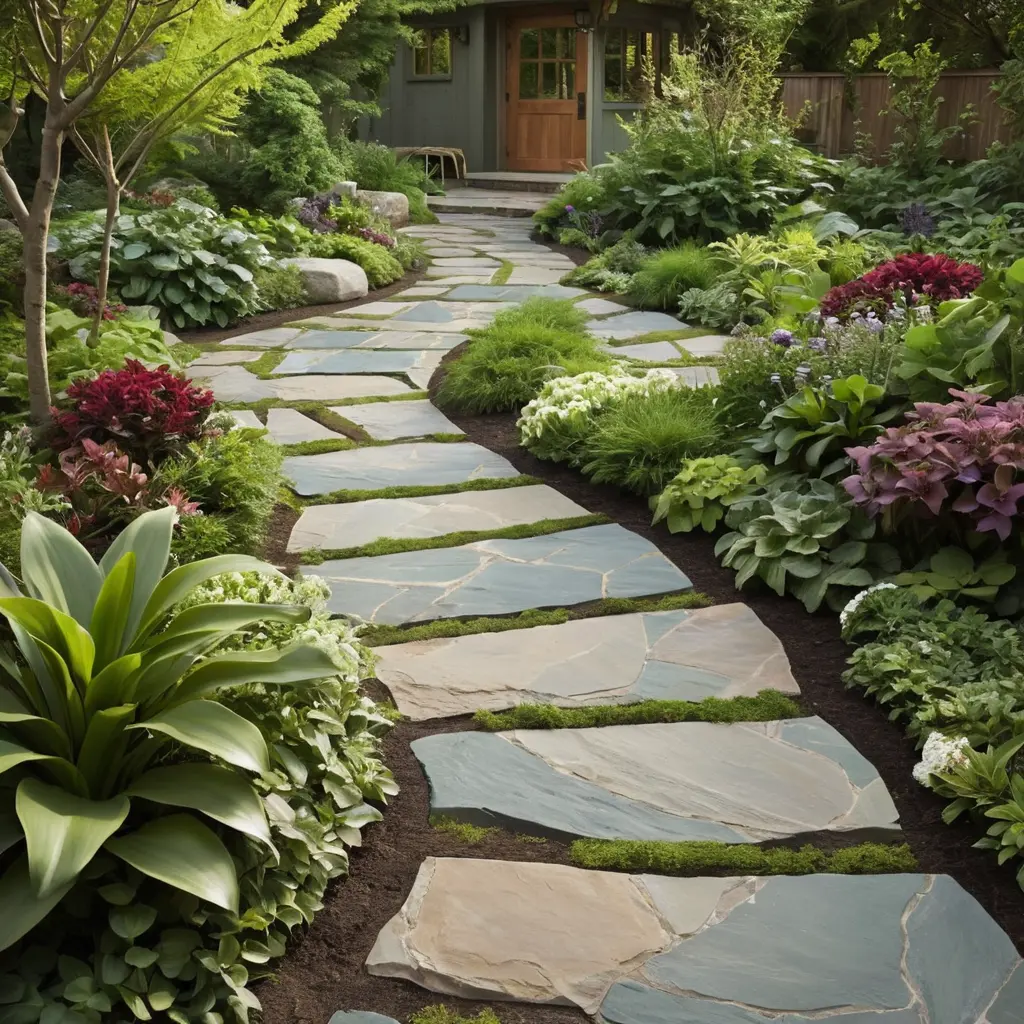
{"type": "Point", "coordinates": [345, 188]}
{"type": "Point", "coordinates": [389, 421]}
{"type": "Point", "coordinates": [327, 280]}
{"type": "Point", "coordinates": [392, 206]}
{"type": "Point", "coordinates": [287, 426]}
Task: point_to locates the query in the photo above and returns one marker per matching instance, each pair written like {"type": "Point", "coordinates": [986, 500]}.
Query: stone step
{"type": "Point", "coordinates": [374, 339]}
{"type": "Point", "coordinates": [418, 366]}
{"type": "Point", "coordinates": [512, 292]}
{"type": "Point", "coordinates": [722, 651]}
{"type": "Point", "coordinates": [287, 426]}
{"type": "Point", "coordinates": [548, 182]}
{"type": "Point", "coordinates": [236, 384]}
{"type": "Point", "coordinates": [745, 782]}
{"type": "Point", "coordinates": [391, 421]}
{"type": "Point", "coordinates": [497, 577]}
{"type": "Point", "coordinates": [361, 522]}
{"type": "Point", "coordinates": [488, 203]}
{"type": "Point", "coordinates": [418, 464]}
{"type": "Point", "coordinates": [648, 949]}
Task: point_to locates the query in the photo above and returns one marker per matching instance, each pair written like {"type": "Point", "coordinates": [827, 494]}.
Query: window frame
{"type": "Point", "coordinates": [660, 44]}
{"type": "Point", "coordinates": [431, 31]}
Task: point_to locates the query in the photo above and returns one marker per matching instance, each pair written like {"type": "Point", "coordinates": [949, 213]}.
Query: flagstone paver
{"type": "Point", "coordinates": [722, 651]}
{"type": "Point", "coordinates": [360, 1017]}
{"type": "Point", "coordinates": [389, 421]}
{"type": "Point", "coordinates": [247, 418]}
{"type": "Point", "coordinates": [646, 949]}
{"type": "Point", "coordinates": [287, 426]}
{"type": "Point", "coordinates": [634, 323]}
{"type": "Point", "coordinates": [361, 522]}
{"type": "Point", "coordinates": [705, 345]}
{"type": "Point", "coordinates": [743, 782]}
{"type": "Point", "coordinates": [498, 577]}
{"type": "Point", "coordinates": [236, 384]}
{"type": "Point", "coordinates": [208, 359]}
{"type": "Point", "coordinates": [376, 339]}
{"type": "Point", "coordinates": [360, 361]}
{"type": "Point", "coordinates": [273, 337]}
{"type": "Point", "coordinates": [419, 464]}
{"type": "Point", "coordinates": [601, 307]}
{"type": "Point", "coordinates": [653, 351]}
{"type": "Point", "coordinates": [537, 275]}
{"type": "Point", "coordinates": [342, 323]}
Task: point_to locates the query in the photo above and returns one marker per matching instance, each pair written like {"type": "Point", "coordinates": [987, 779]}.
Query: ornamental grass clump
{"type": "Point", "coordinates": [665, 275]}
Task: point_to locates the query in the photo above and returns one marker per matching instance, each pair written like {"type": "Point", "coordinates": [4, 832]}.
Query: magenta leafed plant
{"type": "Point", "coordinates": [961, 460]}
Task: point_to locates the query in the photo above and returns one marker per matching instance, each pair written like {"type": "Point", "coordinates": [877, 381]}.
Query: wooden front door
{"type": "Point", "coordinates": [546, 94]}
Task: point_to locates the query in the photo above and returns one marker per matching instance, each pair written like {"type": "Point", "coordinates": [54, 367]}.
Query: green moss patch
{"type": "Point", "coordinates": [442, 1015]}
{"type": "Point", "coordinates": [463, 831]}
{"type": "Point", "coordinates": [341, 497]}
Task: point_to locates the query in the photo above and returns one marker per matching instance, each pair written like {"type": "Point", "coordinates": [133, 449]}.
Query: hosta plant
{"type": "Point", "coordinates": [101, 679]}
{"type": "Point", "coordinates": [804, 537]}
{"type": "Point", "coordinates": [702, 490]}
{"type": "Point", "coordinates": [953, 572]}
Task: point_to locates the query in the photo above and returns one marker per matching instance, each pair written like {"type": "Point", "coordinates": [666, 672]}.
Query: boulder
{"type": "Point", "coordinates": [345, 188]}
{"type": "Point", "coordinates": [9, 225]}
{"type": "Point", "coordinates": [330, 280]}
{"type": "Point", "coordinates": [392, 206]}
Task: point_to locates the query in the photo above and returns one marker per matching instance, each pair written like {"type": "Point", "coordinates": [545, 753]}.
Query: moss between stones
{"type": "Point", "coordinates": [321, 447]}
{"type": "Point", "coordinates": [767, 706]}
{"type": "Point", "coordinates": [502, 275]}
{"type": "Point", "coordinates": [394, 545]}
{"type": "Point", "coordinates": [472, 835]}
{"type": "Point", "coordinates": [342, 497]}
{"type": "Point", "coordinates": [698, 858]}
{"type": "Point", "coordinates": [383, 636]}
{"type": "Point", "coordinates": [644, 339]}
{"type": "Point", "coordinates": [266, 364]}
{"type": "Point", "coordinates": [340, 444]}
{"type": "Point", "coordinates": [311, 408]}
{"type": "Point", "coordinates": [442, 1015]}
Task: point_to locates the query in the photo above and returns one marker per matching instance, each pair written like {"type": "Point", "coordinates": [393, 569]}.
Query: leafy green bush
{"type": "Point", "coordinates": [189, 261]}
{"type": "Point", "coordinates": [283, 236]}
{"type": "Point", "coordinates": [612, 270]}
{"type": "Point", "coordinates": [508, 362]}
{"type": "Point", "coordinates": [376, 168]}
{"type": "Point", "coordinates": [280, 287]}
{"type": "Point", "coordinates": [380, 265]}
{"type": "Point", "coordinates": [640, 442]}
{"type": "Point", "coordinates": [717, 306]}
{"type": "Point", "coordinates": [702, 490]}
{"type": "Point", "coordinates": [585, 192]}
{"type": "Point", "coordinates": [665, 275]}
{"type": "Point", "coordinates": [10, 268]}
{"type": "Point", "coordinates": [955, 573]}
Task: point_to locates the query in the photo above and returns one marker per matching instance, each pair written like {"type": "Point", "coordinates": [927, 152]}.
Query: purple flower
{"type": "Point", "coordinates": [569, 208]}
{"type": "Point", "coordinates": [780, 336]}
{"type": "Point", "coordinates": [916, 220]}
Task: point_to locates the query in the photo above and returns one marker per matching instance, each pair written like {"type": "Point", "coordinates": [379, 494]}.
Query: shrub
{"type": "Point", "coordinates": [283, 236]}
{"type": "Point", "coordinates": [584, 193]}
{"type": "Point", "coordinates": [665, 275]}
{"type": "Point", "coordinates": [611, 270]}
{"type": "Point", "coordinates": [912, 276]}
{"type": "Point", "coordinates": [186, 259]}
{"type": "Point", "coordinates": [508, 362]}
{"type": "Point", "coordinates": [377, 169]}
{"type": "Point", "coordinates": [641, 442]}
{"type": "Point", "coordinates": [84, 300]}
{"type": "Point", "coordinates": [280, 287]}
{"type": "Point", "coordinates": [702, 490]}
{"type": "Point", "coordinates": [717, 306]}
{"type": "Point", "coordinates": [380, 265]}
{"type": "Point", "coordinates": [10, 268]}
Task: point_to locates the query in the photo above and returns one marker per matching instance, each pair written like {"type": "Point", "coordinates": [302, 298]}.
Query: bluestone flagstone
{"type": "Point", "coordinates": [339, 323]}
{"type": "Point", "coordinates": [697, 376]}
{"type": "Point", "coordinates": [495, 577]}
{"type": "Point", "coordinates": [421, 340]}
{"type": "Point", "coordinates": [705, 345]}
{"type": "Point", "coordinates": [419, 464]}
{"type": "Point", "coordinates": [449, 250]}
{"type": "Point", "coordinates": [287, 426]}
{"type": "Point", "coordinates": [536, 275]}
{"type": "Point", "coordinates": [511, 292]}
{"type": "Point", "coordinates": [467, 262]}
{"type": "Point", "coordinates": [360, 1017]}
{"type": "Point", "coordinates": [1007, 1006]}
{"type": "Point", "coordinates": [381, 307]}
{"type": "Point", "coordinates": [601, 307]}
{"type": "Point", "coordinates": [208, 359]}
{"type": "Point", "coordinates": [236, 384]}
{"type": "Point", "coordinates": [272, 337]}
{"type": "Point", "coordinates": [359, 522]}
{"type": "Point", "coordinates": [652, 351]}
{"type": "Point", "coordinates": [739, 782]}
{"type": "Point", "coordinates": [634, 323]}
{"type": "Point", "coordinates": [330, 339]}
{"type": "Point", "coordinates": [722, 651]}
{"type": "Point", "coordinates": [389, 421]}
{"type": "Point", "coordinates": [360, 361]}
{"type": "Point", "coordinates": [247, 418]}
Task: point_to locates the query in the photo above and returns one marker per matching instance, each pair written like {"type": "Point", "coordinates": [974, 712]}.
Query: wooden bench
{"type": "Point", "coordinates": [457, 157]}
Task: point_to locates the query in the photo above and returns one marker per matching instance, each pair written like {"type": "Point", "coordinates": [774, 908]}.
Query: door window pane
{"type": "Point", "coordinates": [432, 53]}
{"type": "Point", "coordinates": [528, 82]}
{"type": "Point", "coordinates": [548, 42]}
{"type": "Point", "coordinates": [548, 90]}
{"type": "Point", "coordinates": [528, 43]}
{"type": "Point", "coordinates": [567, 81]}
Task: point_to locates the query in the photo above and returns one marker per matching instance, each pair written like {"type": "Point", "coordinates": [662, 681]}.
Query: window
{"type": "Point", "coordinates": [627, 51]}
{"type": "Point", "coordinates": [432, 53]}
{"type": "Point", "coordinates": [547, 63]}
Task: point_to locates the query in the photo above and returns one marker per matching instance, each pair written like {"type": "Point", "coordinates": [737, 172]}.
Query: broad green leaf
{"type": "Point", "coordinates": [11, 832]}
{"type": "Point", "coordinates": [114, 686]}
{"type": "Point", "coordinates": [184, 853]}
{"type": "Point", "coordinates": [180, 582]}
{"type": "Point", "coordinates": [40, 734]}
{"type": "Point", "coordinates": [222, 794]}
{"type": "Point", "coordinates": [149, 537]}
{"type": "Point", "coordinates": [131, 921]}
{"type": "Point", "coordinates": [102, 747]}
{"type": "Point", "coordinates": [226, 619]}
{"type": "Point", "coordinates": [207, 725]}
{"type": "Point", "coordinates": [57, 569]}
{"type": "Point", "coordinates": [13, 754]}
{"type": "Point", "coordinates": [110, 615]}
{"type": "Point", "coordinates": [68, 639]}
{"type": "Point", "coordinates": [22, 910]}
{"type": "Point", "coordinates": [63, 832]}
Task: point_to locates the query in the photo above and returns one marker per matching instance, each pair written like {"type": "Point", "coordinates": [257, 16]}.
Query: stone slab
{"type": "Point", "coordinates": [705, 345]}
{"type": "Point", "coordinates": [380, 307]}
{"type": "Point", "coordinates": [236, 384]}
{"type": "Point", "coordinates": [497, 577]}
{"type": "Point", "coordinates": [360, 361]}
{"type": "Point", "coordinates": [601, 307]}
{"type": "Point", "coordinates": [536, 275]}
{"type": "Point", "coordinates": [722, 651]}
{"type": "Point", "coordinates": [735, 783]}
{"type": "Point", "coordinates": [378, 339]}
{"type": "Point", "coordinates": [287, 426]}
{"type": "Point", "coordinates": [467, 262]}
{"type": "Point", "coordinates": [697, 376]}
{"type": "Point", "coordinates": [246, 418]}
{"type": "Point", "coordinates": [426, 290]}
{"type": "Point", "coordinates": [652, 351]}
{"type": "Point", "coordinates": [449, 250]}
{"type": "Point", "coordinates": [208, 359]}
{"type": "Point", "coordinates": [273, 337]}
{"type": "Point", "coordinates": [634, 323]}
{"type": "Point", "coordinates": [360, 1017]}
{"type": "Point", "coordinates": [361, 522]}
{"type": "Point", "coordinates": [343, 323]}
{"type": "Point", "coordinates": [448, 275]}
{"type": "Point", "coordinates": [643, 949]}
{"type": "Point", "coordinates": [511, 293]}
{"type": "Point", "coordinates": [390, 421]}
{"type": "Point", "coordinates": [436, 312]}
{"type": "Point", "coordinates": [419, 464]}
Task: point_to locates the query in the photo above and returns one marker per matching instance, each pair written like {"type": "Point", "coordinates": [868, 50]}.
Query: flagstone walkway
{"type": "Point", "coordinates": [627, 949]}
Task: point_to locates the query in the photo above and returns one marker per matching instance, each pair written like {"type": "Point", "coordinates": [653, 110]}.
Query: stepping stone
{"type": "Point", "coordinates": [246, 418]}
{"type": "Point", "coordinates": [648, 949]}
{"type": "Point", "coordinates": [420, 464]}
{"type": "Point", "coordinates": [270, 338]}
{"type": "Point", "coordinates": [494, 577]}
{"type": "Point", "coordinates": [330, 339]}
{"type": "Point", "coordinates": [449, 250]}
{"type": "Point", "coordinates": [361, 522]}
{"type": "Point", "coordinates": [512, 293]}
{"type": "Point", "coordinates": [705, 345]}
{"type": "Point", "coordinates": [356, 361]}
{"type": "Point", "coordinates": [381, 307]}
{"type": "Point", "coordinates": [440, 279]}
{"type": "Point", "coordinates": [376, 339]}
{"type": "Point", "coordinates": [654, 351]}
{"type": "Point", "coordinates": [360, 1017]}
{"type": "Point", "coordinates": [444, 327]}
{"type": "Point", "coordinates": [697, 376]}
{"type": "Point", "coordinates": [208, 359]}
{"type": "Point", "coordinates": [236, 384]}
{"type": "Point", "coordinates": [447, 312]}
{"type": "Point", "coordinates": [389, 421]}
{"type": "Point", "coordinates": [468, 263]}
{"type": "Point", "coordinates": [535, 275]}
{"type": "Point", "coordinates": [746, 782]}
{"type": "Point", "coordinates": [723, 651]}
{"type": "Point", "coordinates": [287, 426]}
{"type": "Point", "coordinates": [430, 290]}
{"type": "Point", "coordinates": [629, 325]}
{"type": "Point", "coordinates": [600, 307]}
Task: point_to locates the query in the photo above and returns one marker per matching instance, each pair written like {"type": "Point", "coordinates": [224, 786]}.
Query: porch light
{"type": "Point", "coordinates": [582, 18]}
{"type": "Point", "coordinates": [462, 34]}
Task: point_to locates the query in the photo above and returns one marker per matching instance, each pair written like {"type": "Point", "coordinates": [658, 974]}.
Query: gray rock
{"type": "Point", "coordinates": [389, 421]}
{"type": "Point", "coordinates": [601, 307]}
{"type": "Point", "coordinates": [247, 418]}
{"type": "Point", "coordinates": [360, 361]}
{"type": "Point", "coordinates": [287, 426]}
{"type": "Point", "coordinates": [330, 280]}
{"type": "Point", "coordinates": [345, 188]}
{"type": "Point", "coordinates": [392, 206]}
{"type": "Point", "coordinates": [653, 351]}
{"type": "Point", "coordinates": [1007, 1007]}
{"type": "Point", "coordinates": [273, 337]}
{"type": "Point", "coordinates": [421, 340]}
{"type": "Point", "coordinates": [420, 464]}
{"type": "Point", "coordinates": [511, 292]}
{"type": "Point", "coordinates": [706, 345]}
{"type": "Point", "coordinates": [634, 323]}
{"type": "Point", "coordinates": [236, 384]}
{"type": "Point", "coordinates": [9, 225]}
{"type": "Point", "coordinates": [497, 577]}
{"type": "Point", "coordinates": [359, 1016]}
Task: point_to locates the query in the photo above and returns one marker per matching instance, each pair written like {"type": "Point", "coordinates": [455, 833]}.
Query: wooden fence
{"type": "Point", "coordinates": [836, 112]}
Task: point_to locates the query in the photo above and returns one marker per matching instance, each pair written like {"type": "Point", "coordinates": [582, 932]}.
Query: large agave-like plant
{"type": "Point", "coordinates": [100, 679]}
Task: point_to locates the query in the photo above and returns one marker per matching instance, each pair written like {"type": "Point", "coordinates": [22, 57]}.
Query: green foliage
{"type": "Point", "coordinates": [953, 572]}
{"type": "Point", "coordinates": [480, 484]}
{"type": "Point", "coordinates": [10, 268]}
{"type": "Point", "coordinates": [442, 1015]}
{"type": "Point", "coordinates": [640, 443]}
{"type": "Point", "coordinates": [282, 236]}
{"type": "Point", "coordinates": [585, 192]}
{"type": "Point", "coordinates": [380, 265]}
{"type": "Point", "coordinates": [376, 168]}
{"type": "Point", "coordinates": [508, 362]}
{"type": "Point", "coordinates": [702, 490]}
{"type": "Point", "coordinates": [665, 275]}
{"type": "Point", "coordinates": [662, 857]}
{"type": "Point", "coordinates": [611, 270]}
{"type": "Point", "coordinates": [717, 306]}
{"type": "Point", "coordinates": [463, 831]}
{"type": "Point", "coordinates": [193, 264]}
{"type": "Point", "coordinates": [280, 287]}
{"type": "Point", "coordinates": [802, 535]}
{"type": "Point", "coordinates": [767, 706]}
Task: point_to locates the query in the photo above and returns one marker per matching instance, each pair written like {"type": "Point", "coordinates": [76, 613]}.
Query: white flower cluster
{"type": "Point", "coordinates": [854, 602]}
{"type": "Point", "coordinates": [575, 399]}
{"type": "Point", "coordinates": [940, 754]}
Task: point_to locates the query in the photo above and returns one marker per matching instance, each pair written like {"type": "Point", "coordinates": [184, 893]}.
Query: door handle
{"type": "Point", "coordinates": [581, 106]}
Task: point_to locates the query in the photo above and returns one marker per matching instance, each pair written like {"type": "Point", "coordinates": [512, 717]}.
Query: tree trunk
{"type": "Point", "coordinates": [35, 238]}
